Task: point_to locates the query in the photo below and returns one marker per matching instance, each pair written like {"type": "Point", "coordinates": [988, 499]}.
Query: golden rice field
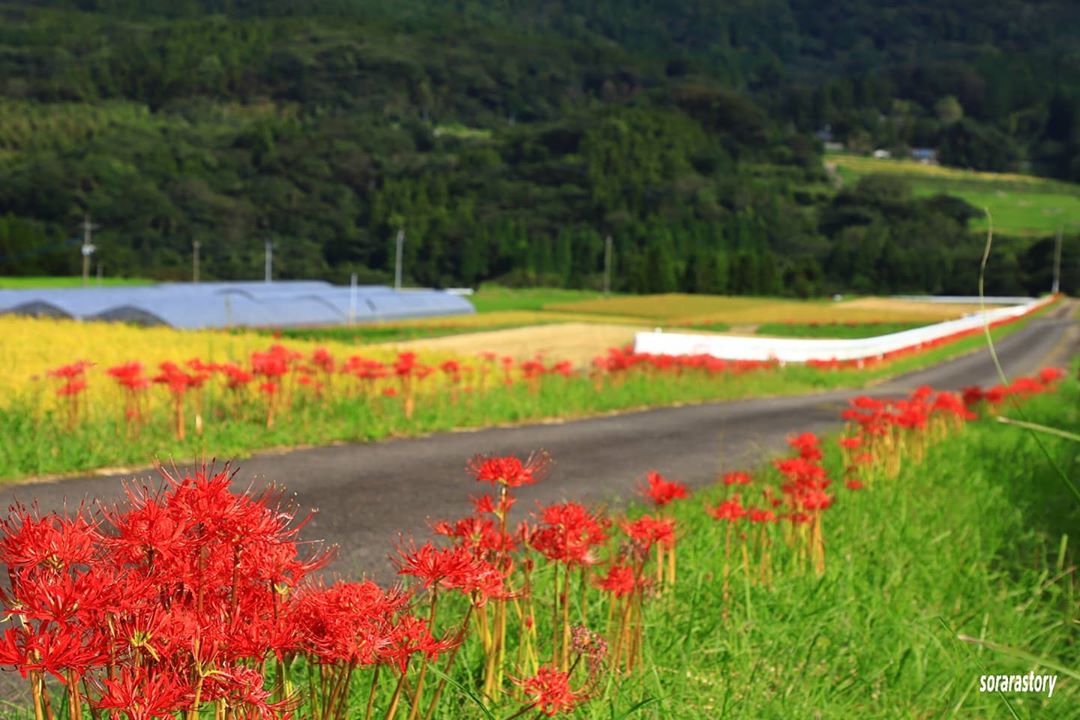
{"type": "Point", "coordinates": [31, 346]}
{"type": "Point", "coordinates": [688, 309]}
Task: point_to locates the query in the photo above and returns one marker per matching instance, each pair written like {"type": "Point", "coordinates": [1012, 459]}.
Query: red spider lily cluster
{"type": "Point", "coordinates": [619, 361]}
{"type": "Point", "coordinates": [199, 599]}
{"type": "Point", "coordinates": [880, 436]}
{"type": "Point", "coordinates": [70, 385]}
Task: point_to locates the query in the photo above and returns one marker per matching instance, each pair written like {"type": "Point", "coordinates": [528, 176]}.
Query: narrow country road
{"type": "Point", "coordinates": [367, 494]}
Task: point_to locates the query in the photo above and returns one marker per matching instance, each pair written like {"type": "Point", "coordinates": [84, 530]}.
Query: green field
{"type": "Point", "coordinates": [833, 330]}
{"type": "Point", "coordinates": [27, 283]}
{"type": "Point", "coordinates": [493, 298]}
{"type": "Point", "coordinates": [1020, 204]}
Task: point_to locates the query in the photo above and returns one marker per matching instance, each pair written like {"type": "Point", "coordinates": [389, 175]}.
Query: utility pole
{"type": "Point", "coordinates": [269, 260]}
{"type": "Point", "coordinates": [87, 248]}
{"type": "Point", "coordinates": [397, 261]}
{"type": "Point", "coordinates": [607, 265]}
{"type": "Point", "coordinates": [195, 262]}
{"type": "Point", "coordinates": [100, 273]}
{"type": "Point", "coordinates": [1056, 288]}
{"type": "Point", "coordinates": [352, 299]}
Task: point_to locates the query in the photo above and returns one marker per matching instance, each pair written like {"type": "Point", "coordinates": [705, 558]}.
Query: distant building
{"type": "Point", "coordinates": [825, 137]}
{"type": "Point", "coordinates": [880, 154]}
{"type": "Point", "coordinates": [927, 156]}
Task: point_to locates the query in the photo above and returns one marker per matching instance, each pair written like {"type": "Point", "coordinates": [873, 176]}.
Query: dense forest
{"type": "Point", "coordinates": [509, 138]}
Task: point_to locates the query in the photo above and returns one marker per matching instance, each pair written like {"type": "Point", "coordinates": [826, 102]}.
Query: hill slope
{"type": "Point", "coordinates": [509, 139]}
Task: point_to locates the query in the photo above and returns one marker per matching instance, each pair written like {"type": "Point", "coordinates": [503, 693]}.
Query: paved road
{"type": "Point", "coordinates": [367, 494]}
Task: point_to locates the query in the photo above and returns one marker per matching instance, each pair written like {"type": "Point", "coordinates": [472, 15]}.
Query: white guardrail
{"type": "Point", "coordinates": [798, 350]}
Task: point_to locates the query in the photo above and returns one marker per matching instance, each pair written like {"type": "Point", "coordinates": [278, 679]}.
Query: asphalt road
{"type": "Point", "coordinates": [368, 494]}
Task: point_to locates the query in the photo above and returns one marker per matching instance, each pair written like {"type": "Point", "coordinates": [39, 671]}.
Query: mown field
{"type": "Point", "coordinates": [1020, 204]}
{"type": "Point", "coordinates": [27, 283]}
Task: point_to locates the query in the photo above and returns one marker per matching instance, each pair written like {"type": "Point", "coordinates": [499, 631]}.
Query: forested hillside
{"type": "Point", "coordinates": [509, 138]}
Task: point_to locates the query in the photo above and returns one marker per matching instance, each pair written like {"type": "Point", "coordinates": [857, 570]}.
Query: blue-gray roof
{"type": "Point", "coordinates": [222, 304]}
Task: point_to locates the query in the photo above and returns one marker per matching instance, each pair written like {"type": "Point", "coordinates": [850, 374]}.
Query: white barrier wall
{"type": "Point", "coordinates": [798, 350]}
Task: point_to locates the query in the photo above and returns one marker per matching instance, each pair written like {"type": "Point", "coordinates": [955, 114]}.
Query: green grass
{"type": "Point", "coordinates": [377, 333]}
{"type": "Point", "coordinates": [493, 298]}
{"type": "Point", "coordinates": [833, 330]}
{"type": "Point", "coordinates": [968, 541]}
{"type": "Point", "coordinates": [27, 283]}
{"type": "Point", "coordinates": [1020, 205]}
{"type": "Point", "coordinates": [38, 442]}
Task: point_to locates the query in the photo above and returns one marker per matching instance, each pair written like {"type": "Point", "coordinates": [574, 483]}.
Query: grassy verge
{"type": "Point", "coordinates": [39, 442]}
{"type": "Point", "coordinates": [378, 333]}
{"type": "Point", "coordinates": [970, 541]}
{"type": "Point", "coordinates": [29, 283]}
{"type": "Point", "coordinates": [493, 298]}
{"type": "Point", "coordinates": [841, 331]}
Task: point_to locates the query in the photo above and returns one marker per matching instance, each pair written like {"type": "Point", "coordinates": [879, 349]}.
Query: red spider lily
{"type": "Point", "coordinates": [1050, 375]}
{"type": "Point", "coordinates": [487, 504]}
{"type": "Point", "coordinates": [662, 491]}
{"type": "Point", "coordinates": [141, 695]}
{"type": "Point", "coordinates": [807, 444]}
{"type": "Point", "coordinates": [71, 388]}
{"type": "Point", "coordinates": [323, 360]}
{"type": "Point", "coordinates": [349, 623]}
{"type": "Point", "coordinates": [549, 691]}
{"type": "Point", "coordinates": [447, 568]}
{"type": "Point", "coordinates": [71, 371]}
{"type": "Point", "coordinates": [179, 383]}
{"type": "Point", "coordinates": [130, 377]}
{"type": "Point", "coordinates": [648, 531]}
{"type": "Point", "coordinates": [478, 533]}
{"type": "Point", "coordinates": [510, 471]}
{"type": "Point", "coordinates": [762, 516]}
{"type": "Point", "coordinates": [731, 510]}
{"type": "Point", "coordinates": [409, 636]}
{"type": "Point", "coordinates": [53, 542]}
{"type": "Point", "coordinates": [72, 384]}
{"type": "Point", "coordinates": [620, 581]}
{"type": "Point", "coordinates": [36, 651]}
{"type": "Point", "coordinates": [854, 484]}
{"type": "Point", "coordinates": [568, 534]}
{"type": "Point", "coordinates": [235, 376]}
{"type": "Point", "coordinates": [737, 477]}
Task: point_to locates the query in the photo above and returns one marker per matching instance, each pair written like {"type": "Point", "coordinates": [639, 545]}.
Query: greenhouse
{"type": "Point", "coordinates": [220, 304]}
